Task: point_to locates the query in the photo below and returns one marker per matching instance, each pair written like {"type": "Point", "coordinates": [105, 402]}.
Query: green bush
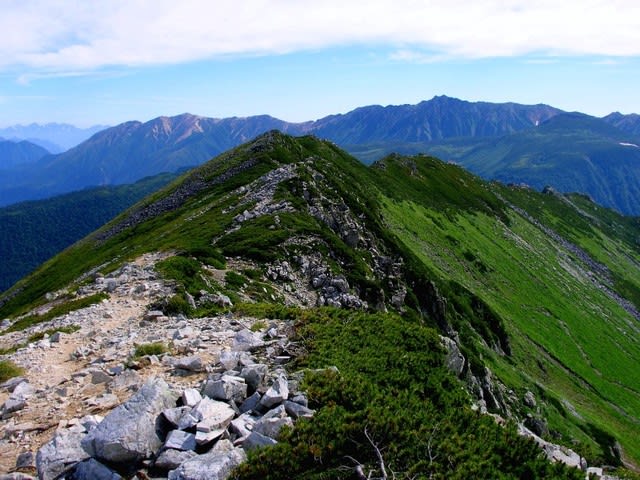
{"type": "Point", "coordinates": [234, 280]}
{"type": "Point", "coordinates": [177, 305]}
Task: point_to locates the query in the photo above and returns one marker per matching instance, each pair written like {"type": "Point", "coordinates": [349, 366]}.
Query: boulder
{"type": "Point", "coordinates": [12, 405]}
{"type": "Point", "coordinates": [243, 425]}
{"type": "Point", "coordinates": [89, 422]}
{"type": "Point", "coordinates": [185, 332]}
{"type": "Point", "coordinates": [257, 440]}
{"type": "Point", "coordinates": [271, 427]}
{"type": "Point", "coordinates": [11, 384]}
{"type": "Point", "coordinates": [254, 375]}
{"type": "Point", "coordinates": [190, 364]}
{"type": "Point", "coordinates": [153, 315]}
{"type": "Point", "coordinates": [22, 391]}
{"type": "Point", "coordinates": [301, 399]}
{"type": "Point", "coordinates": [56, 337]}
{"type": "Point", "coordinates": [191, 397]}
{"type": "Point", "coordinates": [245, 341]}
{"type": "Point", "coordinates": [212, 415]}
{"type": "Point", "coordinates": [529, 399]}
{"type": "Point", "coordinates": [93, 470]}
{"type": "Point", "coordinates": [179, 440]}
{"type": "Point", "coordinates": [25, 460]}
{"type": "Point", "coordinates": [130, 433]}
{"type": "Point", "coordinates": [228, 387]}
{"type": "Point", "coordinates": [211, 466]}
{"type": "Point", "coordinates": [250, 403]}
{"type": "Point", "coordinates": [208, 436]}
{"type": "Point", "coordinates": [100, 376]}
{"type": "Point", "coordinates": [454, 359]}
{"type": "Point", "coordinates": [180, 417]}
{"type": "Point", "coordinates": [277, 393]}
{"type": "Point", "coordinates": [171, 459]}
{"type": "Point", "coordinates": [60, 454]}
{"type": "Point", "coordinates": [229, 360]}
{"type": "Point", "coordinates": [295, 410]}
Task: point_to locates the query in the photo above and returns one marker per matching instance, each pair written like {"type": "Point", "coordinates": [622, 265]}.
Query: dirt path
{"type": "Point", "coordinates": [81, 373]}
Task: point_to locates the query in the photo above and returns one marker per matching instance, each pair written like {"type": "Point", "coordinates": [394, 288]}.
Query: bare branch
{"type": "Point", "coordinates": [378, 454]}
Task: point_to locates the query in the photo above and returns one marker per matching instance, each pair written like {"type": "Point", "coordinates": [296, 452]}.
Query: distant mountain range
{"type": "Point", "coordinates": [55, 137]}
{"type": "Point", "coordinates": [133, 150]}
{"type": "Point", "coordinates": [436, 119]}
{"type": "Point", "coordinates": [505, 141]}
{"type": "Point", "coordinates": [22, 152]}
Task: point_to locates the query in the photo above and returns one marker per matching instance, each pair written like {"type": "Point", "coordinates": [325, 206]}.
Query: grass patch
{"type": "Point", "coordinates": [50, 331]}
{"type": "Point", "coordinates": [155, 348]}
{"type": "Point", "coordinates": [235, 281]}
{"type": "Point", "coordinates": [8, 370]}
{"type": "Point", "coordinates": [57, 311]}
{"type": "Point", "coordinates": [258, 325]}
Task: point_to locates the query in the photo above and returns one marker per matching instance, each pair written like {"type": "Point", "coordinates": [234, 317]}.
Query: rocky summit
{"type": "Point", "coordinates": [284, 311]}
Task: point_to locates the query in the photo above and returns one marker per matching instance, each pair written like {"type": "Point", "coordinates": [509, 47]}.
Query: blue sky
{"type": "Point", "coordinates": [108, 62]}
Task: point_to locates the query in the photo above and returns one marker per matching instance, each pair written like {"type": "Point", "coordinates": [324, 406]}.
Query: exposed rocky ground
{"type": "Point", "coordinates": [221, 389]}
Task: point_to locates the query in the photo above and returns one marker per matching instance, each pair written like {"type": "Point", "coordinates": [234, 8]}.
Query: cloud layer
{"type": "Point", "coordinates": [49, 36]}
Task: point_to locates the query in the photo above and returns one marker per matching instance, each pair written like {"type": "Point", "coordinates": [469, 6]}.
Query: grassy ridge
{"type": "Point", "coordinates": [565, 332]}
{"type": "Point", "coordinates": [522, 303]}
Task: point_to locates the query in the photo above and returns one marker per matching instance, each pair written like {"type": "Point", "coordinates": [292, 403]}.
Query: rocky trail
{"type": "Point", "coordinates": [73, 380]}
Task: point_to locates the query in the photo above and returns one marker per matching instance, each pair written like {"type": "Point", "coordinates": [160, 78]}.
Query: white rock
{"type": "Point", "coordinates": [191, 397]}
{"type": "Point", "coordinates": [277, 393]}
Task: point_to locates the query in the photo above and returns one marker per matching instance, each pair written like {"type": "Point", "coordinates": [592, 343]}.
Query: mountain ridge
{"type": "Point", "coordinates": [299, 221]}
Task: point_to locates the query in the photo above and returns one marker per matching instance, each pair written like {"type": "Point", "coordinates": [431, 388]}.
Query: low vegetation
{"type": "Point", "coordinates": [8, 370]}
{"type": "Point", "coordinates": [388, 402]}
{"type": "Point", "coordinates": [56, 311]}
{"type": "Point", "coordinates": [155, 348]}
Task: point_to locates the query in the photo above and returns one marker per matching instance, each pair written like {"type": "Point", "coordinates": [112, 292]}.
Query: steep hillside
{"type": "Point", "coordinates": [445, 306]}
{"type": "Point", "coordinates": [33, 232]}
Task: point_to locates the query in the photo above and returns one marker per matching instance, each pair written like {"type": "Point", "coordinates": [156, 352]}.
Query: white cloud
{"type": "Point", "coordinates": [52, 36]}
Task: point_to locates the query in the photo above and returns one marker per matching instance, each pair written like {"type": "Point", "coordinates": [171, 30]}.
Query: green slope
{"type": "Point", "coordinates": [531, 284]}
{"type": "Point", "coordinates": [32, 232]}
{"type": "Point", "coordinates": [567, 337]}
